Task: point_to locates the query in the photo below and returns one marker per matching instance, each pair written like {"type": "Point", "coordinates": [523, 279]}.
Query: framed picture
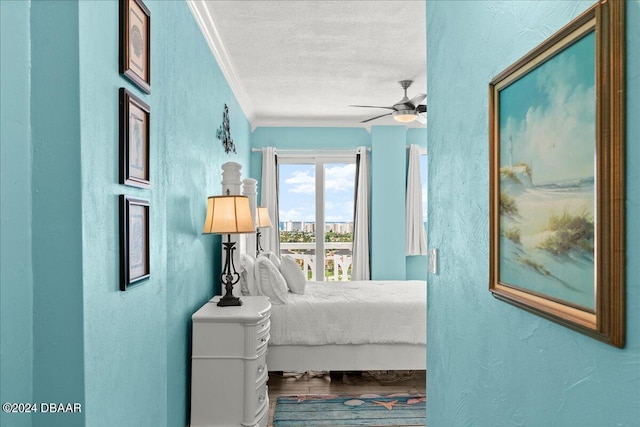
{"type": "Point", "coordinates": [134, 241]}
{"type": "Point", "coordinates": [134, 140]}
{"type": "Point", "coordinates": [135, 40]}
{"type": "Point", "coordinates": [556, 126]}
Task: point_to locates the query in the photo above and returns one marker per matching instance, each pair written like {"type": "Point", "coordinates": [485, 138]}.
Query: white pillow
{"type": "Point", "coordinates": [272, 283]}
{"type": "Point", "coordinates": [248, 283]}
{"type": "Point", "coordinates": [273, 257]}
{"type": "Point", "coordinates": [293, 275]}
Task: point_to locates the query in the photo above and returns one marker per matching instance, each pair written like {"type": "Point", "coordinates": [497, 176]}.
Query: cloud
{"type": "Point", "coordinates": [340, 178]}
{"type": "Point", "coordinates": [301, 182]}
{"type": "Point", "coordinates": [291, 214]}
{"type": "Point", "coordinates": [557, 139]}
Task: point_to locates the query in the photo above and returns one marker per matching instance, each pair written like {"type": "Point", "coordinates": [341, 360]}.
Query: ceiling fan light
{"type": "Point", "coordinates": [404, 116]}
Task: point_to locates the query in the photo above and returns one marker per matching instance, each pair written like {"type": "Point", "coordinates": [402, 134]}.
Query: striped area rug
{"type": "Point", "coordinates": [399, 409]}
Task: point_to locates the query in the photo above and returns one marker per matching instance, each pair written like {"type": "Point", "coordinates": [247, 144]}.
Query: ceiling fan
{"type": "Point", "coordinates": [406, 110]}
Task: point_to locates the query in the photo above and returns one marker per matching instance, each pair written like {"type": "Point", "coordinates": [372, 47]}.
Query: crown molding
{"type": "Point", "coordinates": [209, 31]}
{"type": "Point", "coordinates": [324, 123]}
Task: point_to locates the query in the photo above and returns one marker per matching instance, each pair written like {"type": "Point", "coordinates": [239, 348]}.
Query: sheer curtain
{"type": "Point", "coordinates": [416, 241]}
{"type": "Point", "coordinates": [270, 237]}
{"type": "Point", "coordinates": [361, 269]}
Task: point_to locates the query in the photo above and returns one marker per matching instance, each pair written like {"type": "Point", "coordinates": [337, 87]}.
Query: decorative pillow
{"type": "Point", "coordinates": [293, 275]}
{"type": "Point", "coordinates": [273, 257]}
{"type": "Point", "coordinates": [272, 283]}
{"type": "Point", "coordinates": [248, 283]}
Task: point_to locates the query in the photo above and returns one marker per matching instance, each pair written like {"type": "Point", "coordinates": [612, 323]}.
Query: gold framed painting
{"type": "Point", "coordinates": [556, 126]}
{"type": "Point", "coordinates": [135, 43]}
{"type": "Point", "coordinates": [134, 241]}
{"type": "Point", "coordinates": [134, 140]}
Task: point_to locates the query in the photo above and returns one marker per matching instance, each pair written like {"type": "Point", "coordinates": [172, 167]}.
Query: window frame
{"type": "Point", "coordinates": [319, 160]}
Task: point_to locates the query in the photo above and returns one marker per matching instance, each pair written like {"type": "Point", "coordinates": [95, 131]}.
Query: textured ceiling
{"type": "Point", "coordinates": [301, 63]}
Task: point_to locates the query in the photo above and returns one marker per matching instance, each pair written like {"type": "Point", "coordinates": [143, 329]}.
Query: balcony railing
{"type": "Point", "coordinates": [337, 260]}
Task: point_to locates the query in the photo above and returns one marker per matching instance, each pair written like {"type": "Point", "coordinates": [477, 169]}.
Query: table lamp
{"type": "Point", "coordinates": [228, 215]}
{"type": "Point", "coordinates": [263, 221]}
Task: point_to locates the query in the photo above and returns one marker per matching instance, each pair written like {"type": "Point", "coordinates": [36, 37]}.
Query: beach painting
{"type": "Point", "coordinates": [547, 167]}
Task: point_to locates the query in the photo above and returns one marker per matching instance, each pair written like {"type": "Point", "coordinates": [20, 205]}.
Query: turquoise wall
{"type": "Point", "coordinates": [388, 184]}
{"type": "Point", "coordinates": [490, 363]}
{"type": "Point", "coordinates": [57, 235]}
{"type": "Point", "coordinates": [124, 355]}
{"type": "Point", "coordinates": [388, 192]}
{"type": "Point", "coordinates": [16, 271]}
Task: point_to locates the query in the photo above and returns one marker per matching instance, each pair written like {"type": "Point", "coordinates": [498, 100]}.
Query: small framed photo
{"type": "Point", "coordinates": [134, 241]}
{"type": "Point", "coordinates": [134, 140]}
{"type": "Point", "coordinates": [135, 36]}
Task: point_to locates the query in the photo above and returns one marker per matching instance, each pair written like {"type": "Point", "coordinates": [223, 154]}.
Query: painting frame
{"type": "Point", "coordinates": [605, 320]}
{"type": "Point", "coordinates": [135, 116]}
{"type": "Point", "coordinates": [135, 265]}
{"type": "Point", "coordinates": [135, 43]}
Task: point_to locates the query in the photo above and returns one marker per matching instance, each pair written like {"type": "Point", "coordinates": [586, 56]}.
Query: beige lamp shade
{"type": "Point", "coordinates": [263, 218]}
{"type": "Point", "coordinates": [228, 215]}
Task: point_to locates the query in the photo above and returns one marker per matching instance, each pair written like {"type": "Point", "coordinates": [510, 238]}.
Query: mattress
{"type": "Point", "coordinates": [359, 312]}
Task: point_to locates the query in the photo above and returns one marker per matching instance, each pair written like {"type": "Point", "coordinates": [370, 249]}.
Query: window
{"type": "Point", "coordinates": [316, 201]}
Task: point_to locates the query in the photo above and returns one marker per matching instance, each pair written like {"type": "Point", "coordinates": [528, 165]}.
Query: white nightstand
{"type": "Point", "coordinates": [228, 364]}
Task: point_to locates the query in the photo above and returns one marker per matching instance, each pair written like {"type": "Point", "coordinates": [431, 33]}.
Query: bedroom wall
{"type": "Point", "coordinates": [57, 249]}
{"type": "Point", "coordinates": [151, 324]}
{"type": "Point", "coordinates": [16, 274]}
{"type": "Point", "coordinates": [388, 173]}
{"type": "Point", "coordinates": [489, 362]}
{"type": "Point", "coordinates": [388, 192]}
{"type": "Point", "coordinates": [123, 355]}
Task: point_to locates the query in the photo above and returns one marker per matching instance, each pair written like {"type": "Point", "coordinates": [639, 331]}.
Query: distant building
{"type": "Point", "coordinates": [310, 227]}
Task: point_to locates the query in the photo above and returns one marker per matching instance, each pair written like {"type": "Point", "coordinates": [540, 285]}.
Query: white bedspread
{"type": "Point", "coordinates": [365, 312]}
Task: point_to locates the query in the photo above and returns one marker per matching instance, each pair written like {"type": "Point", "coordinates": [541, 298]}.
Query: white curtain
{"type": "Point", "coordinates": [361, 269]}
{"type": "Point", "coordinates": [270, 238]}
{"type": "Point", "coordinates": [416, 241]}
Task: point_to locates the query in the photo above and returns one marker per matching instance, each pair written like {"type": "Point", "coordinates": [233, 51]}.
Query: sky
{"type": "Point", "coordinates": [549, 115]}
{"type": "Point", "coordinates": [297, 191]}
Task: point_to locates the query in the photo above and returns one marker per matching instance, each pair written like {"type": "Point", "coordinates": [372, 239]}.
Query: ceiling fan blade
{"type": "Point", "coordinates": [376, 117]}
{"type": "Point", "coordinates": [418, 98]}
{"type": "Point", "coordinates": [421, 108]}
{"type": "Point", "coordinates": [421, 118]}
{"type": "Point", "coordinates": [372, 106]}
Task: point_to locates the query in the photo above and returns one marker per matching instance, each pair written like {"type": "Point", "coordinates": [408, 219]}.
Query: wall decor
{"type": "Point", "coordinates": [134, 140]}
{"type": "Point", "coordinates": [134, 241]}
{"type": "Point", "coordinates": [224, 132]}
{"type": "Point", "coordinates": [135, 43]}
{"type": "Point", "coordinates": [556, 126]}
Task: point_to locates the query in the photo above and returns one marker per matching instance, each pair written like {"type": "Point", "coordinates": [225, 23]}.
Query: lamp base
{"type": "Point", "coordinates": [229, 301]}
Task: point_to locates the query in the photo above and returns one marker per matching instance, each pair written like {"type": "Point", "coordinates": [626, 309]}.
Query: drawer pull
{"type": "Point", "coordinates": [261, 398]}
{"type": "Point", "coordinates": [260, 369]}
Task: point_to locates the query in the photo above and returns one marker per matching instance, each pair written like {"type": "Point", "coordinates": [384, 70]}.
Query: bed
{"type": "Point", "coordinates": [343, 326]}
{"type": "Point", "coordinates": [339, 326]}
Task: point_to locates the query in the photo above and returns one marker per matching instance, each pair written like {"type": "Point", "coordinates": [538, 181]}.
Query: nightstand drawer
{"type": "Point", "coordinates": [264, 322]}
{"type": "Point", "coordinates": [262, 398]}
{"type": "Point", "coordinates": [259, 367]}
{"type": "Point", "coordinates": [262, 343]}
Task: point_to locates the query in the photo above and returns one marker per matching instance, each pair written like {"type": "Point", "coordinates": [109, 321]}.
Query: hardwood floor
{"type": "Point", "coordinates": [381, 382]}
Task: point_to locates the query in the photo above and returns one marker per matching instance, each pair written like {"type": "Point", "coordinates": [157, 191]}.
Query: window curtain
{"type": "Point", "coordinates": [270, 237]}
{"type": "Point", "coordinates": [361, 269]}
{"type": "Point", "coordinates": [416, 241]}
